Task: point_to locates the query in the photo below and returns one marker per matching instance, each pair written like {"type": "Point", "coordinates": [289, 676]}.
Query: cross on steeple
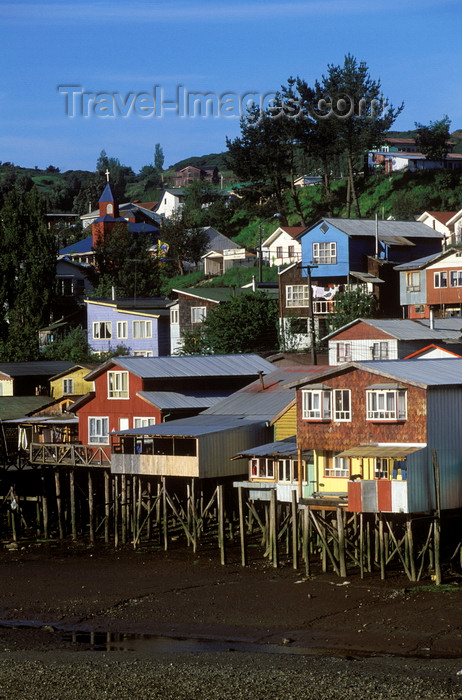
{"type": "Point", "coordinates": [107, 174]}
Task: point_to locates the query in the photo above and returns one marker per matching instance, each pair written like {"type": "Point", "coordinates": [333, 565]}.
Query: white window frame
{"type": "Point", "coordinates": [122, 330]}
{"type": "Point", "coordinates": [287, 471]}
{"type": "Point", "coordinates": [141, 329]}
{"type": "Point", "coordinates": [124, 423]}
{"type": "Point", "coordinates": [174, 317]}
{"type": "Point", "coordinates": [344, 352]}
{"type": "Point", "coordinates": [100, 430]}
{"type": "Point", "coordinates": [440, 279]}
{"type": "Point", "coordinates": [386, 404]}
{"type": "Point", "coordinates": [297, 295]}
{"type": "Point", "coordinates": [342, 405]}
{"type": "Point", "coordinates": [263, 468]}
{"type": "Point", "coordinates": [340, 468]}
{"type": "Point", "coordinates": [105, 326]}
{"type": "Point", "coordinates": [198, 314]}
{"type": "Point", "coordinates": [316, 404]}
{"type": "Point", "coordinates": [141, 422]}
{"type": "Point", "coordinates": [117, 384]}
{"type": "Point", "coordinates": [325, 253]}
{"type": "Point", "coordinates": [380, 350]}
{"type": "Point", "coordinates": [143, 353]}
{"type": "Point", "coordinates": [68, 386]}
{"type": "Point", "coordinates": [456, 278]}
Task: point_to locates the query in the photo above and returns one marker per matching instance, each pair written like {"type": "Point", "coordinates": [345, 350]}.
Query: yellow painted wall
{"type": "Point", "coordinates": [80, 385]}
{"type": "Point", "coordinates": [6, 387]}
{"type": "Point", "coordinates": [362, 466]}
{"type": "Point", "coordinates": [286, 425]}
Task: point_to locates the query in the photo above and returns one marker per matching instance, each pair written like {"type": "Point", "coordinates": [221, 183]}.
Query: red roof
{"type": "Point", "coordinates": [442, 216]}
{"type": "Point", "coordinates": [293, 231]}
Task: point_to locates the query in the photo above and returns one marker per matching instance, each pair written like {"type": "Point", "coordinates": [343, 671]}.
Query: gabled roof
{"type": "Point", "coordinates": [442, 216]}
{"type": "Point", "coordinates": [40, 368]}
{"type": "Point", "coordinates": [12, 407]}
{"type": "Point", "coordinates": [386, 228]}
{"type": "Point", "coordinates": [152, 306]}
{"type": "Point", "coordinates": [83, 246]}
{"type": "Point", "coordinates": [187, 366]}
{"type": "Point", "coordinates": [171, 400]}
{"type": "Point", "coordinates": [281, 448]}
{"type": "Point", "coordinates": [107, 195]}
{"type": "Point", "coordinates": [419, 372]}
{"type": "Point", "coordinates": [408, 329]}
{"type": "Point", "coordinates": [195, 426]}
{"type": "Point", "coordinates": [292, 231]}
{"type": "Point", "coordinates": [430, 348]}
{"type": "Point", "coordinates": [74, 368]}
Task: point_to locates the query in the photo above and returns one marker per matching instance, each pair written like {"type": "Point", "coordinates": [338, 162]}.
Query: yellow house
{"type": "Point", "coordinates": [72, 382]}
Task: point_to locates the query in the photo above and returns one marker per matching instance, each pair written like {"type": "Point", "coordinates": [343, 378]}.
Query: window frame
{"type": "Point", "coordinates": [341, 466]}
{"type": "Point", "coordinates": [103, 435]}
{"type": "Point", "coordinates": [440, 279]}
{"type": "Point", "coordinates": [263, 468]}
{"type": "Point", "coordinates": [457, 274]}
{"type": "Point", "coordinates": [117, 389]}
{"type": "Point", "coordinates": [380, 350]}
{"type": "Point", "coordinates": [342, 414]}
{"type": "Point", "coordinates": [122, 330]}
{"type": "Point", "coordinates": [143, 421]}
{"type": "Point", "coordinates": [324, 252]}
{"type": "Point", "coordinates": [142, 324]}
{"type": "Point", "coordinates": [394, 405]}
{"type": "Point", "coordinates": [68, 381]}
{"type": "Point", "coordinates": [317, 404]}
{"type": "Point", "coordinates": [413, 281]}
{"type": "Point", "coordinates": [299, 298]}
{"type": "Point", "coordinates": [347, 355]}
{"type": "Point", "coordinates": [195, 310]}
{"type": "Point", "coordinates": [96, 334]}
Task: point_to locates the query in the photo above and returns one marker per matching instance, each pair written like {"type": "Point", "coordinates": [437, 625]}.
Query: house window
{"type": "Point", "coordinates": [297, 295]}
{"type": "Point", "coordinates": [386, 404]}
{"type": "Point", "coordinates": [68, 386]}
{"type": "Point", "coordinates": [122, 329]}
{"type": "Point", "coordinates": [143, 422]}
{"type": "Point", "coordinates": [124, 423]}
{"type": "Point", "coordinates": [343, 352]}
{"type": "Point", "coordinates": [198, 313]}
{"type": "Point", "coordinates": [102, 330]}
{"type": "Point", "coordinates": [456, 278]}
{"type": "Point", "coordinates": [325, 253]}
{"type": "Point", "coordinates": [316, 404]}
{"type": "Point", "coordinates": [381, 468]}
{"type": "Point", "coordinates": [291, 251]}
{"type": "Point", "coordinates": [98, 431]}
{"type": "Point", "coordinates": [342, 405]}
{"type": "Point", "coordinates": [279, 253]}
{"type": "Point", "coordinates": [380, 350]}
{"type": "Point", "coordinates": [117, 385]}
{"type": "Point", "coordinates": [441, 279]}
{"type": "Point", "coordinates": [174, 316]}
{"type": "Point", "coordinates": [142, 329]}
{"type": "Point", "coordinates": [143, 353]}
{"type": "Point", "coordinates": [287, 470]}
{"type": "Point", "coordinates": [262, 468]}
{"type": "Point", "coordinates": [413, 281]}
{"type": "Point", "coordinates": [336, 466]}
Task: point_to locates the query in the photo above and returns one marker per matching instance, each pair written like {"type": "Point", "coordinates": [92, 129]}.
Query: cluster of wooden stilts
{"type": "Point", "coordinates": [92, 505]}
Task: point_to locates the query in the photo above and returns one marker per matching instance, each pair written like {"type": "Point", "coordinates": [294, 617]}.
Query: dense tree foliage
{"type": "Point", "coordinates": [27, 274]}
{"type": "Point", "coordinates": [350, 305]}
{"type": "Point", "coordinates": [433, 140]}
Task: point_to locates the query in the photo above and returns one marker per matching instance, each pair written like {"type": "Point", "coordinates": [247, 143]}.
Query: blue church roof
{"type": "Point", "coordinates": [107, 195]}
{"type": "Point", "coordinates": [83, 246]}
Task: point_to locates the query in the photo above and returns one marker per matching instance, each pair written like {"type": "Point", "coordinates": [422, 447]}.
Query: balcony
{"type": "Point", "coordinates": [69, 455]}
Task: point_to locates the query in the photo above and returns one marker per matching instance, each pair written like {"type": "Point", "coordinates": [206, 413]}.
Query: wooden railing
{"type": "Point", "coordinates": [70, 454]}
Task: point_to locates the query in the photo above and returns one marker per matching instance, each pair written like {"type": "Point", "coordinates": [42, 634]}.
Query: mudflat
{"type": "Point", "coordinates": [79, 621]}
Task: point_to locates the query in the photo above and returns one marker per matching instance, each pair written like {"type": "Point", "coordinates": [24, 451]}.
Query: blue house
{"type": "Point", "coordinates": [337, 249]}
{"type": "Point", "coordinates": [140, 325]}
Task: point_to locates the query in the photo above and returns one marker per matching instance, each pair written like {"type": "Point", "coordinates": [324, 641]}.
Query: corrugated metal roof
{"type": "Point", "coordinates": [419, 263]}
{"type": "Point", "coordinates": [426, 372]}
{"type": "Point", "coordinates": [286, 448]}
{"type": "Point", "coordinates": [191, 366]}
{"type": "Point", "coordinates": [19, 406]}
{"type": "Point", "coordinates": [192, 427]}
{"type": "Point", "coordinates": [168, 400]}
{"type": "Point", "coordinates": [367, 227]}
{"type": "Point", "coordinates": [387, 451]}
{"type": "Point", "coordinates": [43, 368]}
{"type": "Point", "coordinates": [408, 329]}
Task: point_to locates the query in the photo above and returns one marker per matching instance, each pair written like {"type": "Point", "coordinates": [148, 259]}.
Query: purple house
{"type": "Point", "coordinates": [140, 325]}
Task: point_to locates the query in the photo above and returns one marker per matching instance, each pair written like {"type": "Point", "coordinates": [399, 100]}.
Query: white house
{"type": "Point", "coordinates": [282, 246]}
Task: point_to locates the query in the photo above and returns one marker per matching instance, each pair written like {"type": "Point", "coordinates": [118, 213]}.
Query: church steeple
{"type": "Point", "coordinates": [107, 204]}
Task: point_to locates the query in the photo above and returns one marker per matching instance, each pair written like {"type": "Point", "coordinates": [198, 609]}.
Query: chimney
{"type": "Point", "coordinates": [262, 383]}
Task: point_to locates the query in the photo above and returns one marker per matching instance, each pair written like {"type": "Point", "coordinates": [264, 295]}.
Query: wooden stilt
{"type": "Point", "coordinates": [59, 505]}
{"type": "Point", "coordinates": [107, 505]}
{"type": "Point", "coordinates": [91, 514]}
{"type": "Point", "coordinates": [341, 542]}
{"type": "Point", "coordinates": [44, 504]}
{"type": "Point", "coordinates": [164, 513]}
{"type": "Point", "coordinates": [381, 547]}
{"type": "Point", "coordinates": [72, 500]}
{"type": "Point", "coordinates": [294, 530]}
{"type": "Point", "coordinates": [410, 547]}
{"type": "Point", "coordinates": [123, 507]}
{"type": "Point", "coordinates": [116, 510]}
{"type": "Point", "coordinates": [221, 523]}
{"type": "Point", "coordinates": [242, 526]}
{"type": "Point", "coordinates": [273, 528]}
{"type": "Point", "coordinates": [361, 545]}
{"type": "Point", "coordinates": [323, 543]}
{"type": "Point", "coordinates": [306, 539]}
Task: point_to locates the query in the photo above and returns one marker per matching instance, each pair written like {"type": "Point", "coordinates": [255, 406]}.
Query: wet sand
{"type": "Point", "coordinates": [269, 633]}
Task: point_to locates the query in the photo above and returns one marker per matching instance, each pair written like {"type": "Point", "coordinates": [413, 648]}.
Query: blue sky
{"type": "Point", "coordinates": [212, 46]}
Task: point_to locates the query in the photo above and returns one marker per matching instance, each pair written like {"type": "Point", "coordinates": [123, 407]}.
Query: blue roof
{"type": "Point", "coordinates": [142, 228]}
{"type": "Point", "coordinates": [107, 195]}
{"type": "Point", "coordinates": [84, 246]}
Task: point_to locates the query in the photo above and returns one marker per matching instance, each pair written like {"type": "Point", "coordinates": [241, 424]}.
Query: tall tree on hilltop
{"type": "Point", "coordinates": [27, 274]}
{"type": "Point", "coordinates": [433, 140]}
